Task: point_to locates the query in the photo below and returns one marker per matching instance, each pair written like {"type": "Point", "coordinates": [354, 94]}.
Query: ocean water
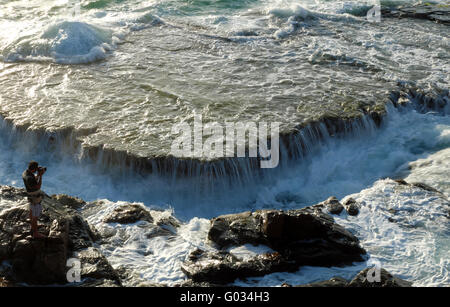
{"type": "Point", "coordinates": [87, 85]}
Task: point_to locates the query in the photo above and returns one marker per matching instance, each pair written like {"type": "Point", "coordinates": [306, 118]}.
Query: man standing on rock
{"type": "Point", "coordinates": [33, 186]}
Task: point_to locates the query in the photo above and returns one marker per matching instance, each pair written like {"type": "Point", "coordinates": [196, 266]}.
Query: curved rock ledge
{"type": "Point", "coordinates": [439, 13]}
{"type": "Point", "coordinates": [294, 145]}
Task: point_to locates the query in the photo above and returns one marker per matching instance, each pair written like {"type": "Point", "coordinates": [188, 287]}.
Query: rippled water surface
{"type": "Point", "coordinates": [146, 65]}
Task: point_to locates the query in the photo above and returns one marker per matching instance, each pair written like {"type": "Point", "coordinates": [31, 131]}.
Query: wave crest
{"type": "Point", "coordinates": [67, 42]}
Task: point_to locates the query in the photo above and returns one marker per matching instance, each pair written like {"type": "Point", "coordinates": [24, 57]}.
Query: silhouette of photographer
{"type": "Point", "coordinates": [33, 185]}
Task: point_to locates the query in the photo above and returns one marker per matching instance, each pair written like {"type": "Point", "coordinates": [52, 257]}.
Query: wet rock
{"type": "Point", "coordinates": [128, 214]}
{"type": "Point", "coordinates": [5, 283]}
{"type": "Point", "coordinates": [333, 282]}
{"type": "Point", "coordinates": [367, 278]}
{"type": "Point", "coordinates": [96, 268]}
{"type": "Point", "coordinates": [237, 229]}
{"type": "Point", "coordinates": [419, 185]}
{"type": "Point", "coordinates": [333, 205]}
{"type": "Point", "coordinates": [351, 206]}
{"type": "Point", "coordinates": [41, 261]}
{"type": "Point", "coordinates": [434, 12]}
{"type": "Point", "coordinates": [401, 181]}
{"type": "Point", "coordinates": [425, 187]}
{"type": "Point", "coordinates": [223, 267]}
{"type": "Point", "coordinates": [69, 201]}
{"type": "Point", "coordinates": [168, 221]}
{"type": "Point", "coordinates": [299, 237]}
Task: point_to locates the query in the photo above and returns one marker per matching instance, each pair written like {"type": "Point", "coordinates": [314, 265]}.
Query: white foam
{"type": "Point", "coordinates": [249, 251]}
{"type": "Point", "coordinates": [154, 260]}
{"type": "Point", "coordinates": [415, 247]}
{"type": "Point", "coordinates": [432, 169]}
{"type": "Point", "coordinates": [64, 42]}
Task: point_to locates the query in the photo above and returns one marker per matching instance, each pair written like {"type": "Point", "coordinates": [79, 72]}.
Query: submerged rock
{"type": "Point", "coordinates": [128, 214]}
{"type": "Point", "coordinates": [300, 237]}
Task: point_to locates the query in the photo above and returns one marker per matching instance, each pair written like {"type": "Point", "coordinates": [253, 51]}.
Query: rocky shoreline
{"type": "Point", "coordinates": [307, 236]}
{"type": "Point", "coordinates": [439, 13]}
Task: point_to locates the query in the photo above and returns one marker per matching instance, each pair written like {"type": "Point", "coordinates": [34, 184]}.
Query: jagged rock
{"type": "Point", "coordinates": [299, 237]}
{"type": "Point", "coordinates": [401, 181]}
{"type": "Point", "coordinates": [96, 268]}
{"type": "Point", "coordinates": [168, 221]}
{"type": "Point", "coordinates": [190, 283]}
{"type": "Point", "coordinates": [425, 187]}
{"type": "Point", "coordinates": [129, 213]}
{"type": "Point", "coordinates": [41, 261]}
{"type": "Point", "coordinates": [361, 280]}
{"type": "Point", "coordinates": [237, 229]}
{"type": "Point", "coordinates": [69, 201]}
{"type": "Point", "coordinates": [333, 282]}
{"type": "Point", "coordinates": [386, 280]}
{"type": "Point", "coordinates": [333, 205]}
{"type": "Point", "coordinates": [351, 206]}
{"type": "Point", "coordinates": [434, 12]}
{"type": "Point", "coordinates": [223, 267]}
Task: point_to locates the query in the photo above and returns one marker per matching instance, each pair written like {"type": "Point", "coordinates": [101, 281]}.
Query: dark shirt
{"type": "Point", "coordinates": [30, 181]}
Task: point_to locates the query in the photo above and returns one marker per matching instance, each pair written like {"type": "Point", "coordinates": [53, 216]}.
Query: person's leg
{"type": "Point", "coordinates": [35, 212]}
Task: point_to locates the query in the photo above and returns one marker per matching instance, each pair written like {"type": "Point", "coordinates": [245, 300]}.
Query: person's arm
{"type": "Point", "coordinates": [39, 181]}
{"type": "Point", "coordinates": [36, 185]}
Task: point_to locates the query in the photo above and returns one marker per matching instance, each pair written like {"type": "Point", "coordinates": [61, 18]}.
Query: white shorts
{"type": "Point", "coordinates": [34, 203]}
{"type": "Point", "coordinates": [36, 209]}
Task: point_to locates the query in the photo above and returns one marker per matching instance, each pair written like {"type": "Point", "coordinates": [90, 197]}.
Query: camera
{"type": "Point", "coordinates": [42, 169]}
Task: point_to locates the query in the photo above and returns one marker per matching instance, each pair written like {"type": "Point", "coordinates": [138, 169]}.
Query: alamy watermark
{"type": "Point", "coordinates": [74, 272]}
{"type": "Point", "coordinates": [374, 273]}
{"type": "Point", "coordinates": [191, 141]}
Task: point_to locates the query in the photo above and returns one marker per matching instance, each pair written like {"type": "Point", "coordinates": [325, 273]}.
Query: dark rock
{"type": "Point", "coordinates": [96, 268]}
{"type": "Point", "coordinates": [41, 261]}
{"type": "Point", "coordinates": [69, 201]}
{"type": "Point", "coordinates": [223, 267]}
{"type": "Point", "coordinates": [351, 206]}
{"type": "Point", "coordinates": [333, 282]}
{"type": "Point", "coordinates": [168, 221]}
{"type": "Point", "coordinates": [401, 181]}
{"type": "Point", "coordinates": [425, 187]}
{"type": "Point", "coordinates": [361, 280]}
{"type": "Point", "coordinates": [386, 279]}
{"type": "Point", "coordinates": [129, 213]}
{"type": "Point", "coordinates": [237, 229]}
{"type": "Point", "coordinates": [333, 205]}
{"type": "Point", "coordinates": [434, 12]}
{"type": "Point", "coordinates": [190, 283]}
{"type": "Point", "coordinates": [299, 237]}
